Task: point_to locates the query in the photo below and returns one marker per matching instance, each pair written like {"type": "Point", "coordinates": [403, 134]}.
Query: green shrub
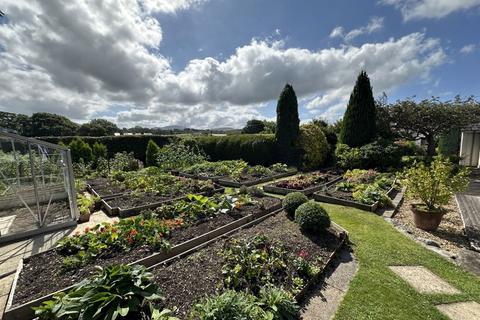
{"type": "Point", "coordinates": [434, 185]}
{"type": "Point", "coordinates": [99, 150]}
{"type": "Point", "coordinates": [312, 217]}
{"type": "Point", "coordinates": [123, 161]}
{"type": "Point", "coordinates": [292, 201]}
{"type": "Point", "coordinates": [80, 150]}
{"type": "Point", "coordinates": [178, 156]}
{"type": "Point", "coordinates": [151, 153]}
{"type": "Point", "coordinates": [348, 158]}
{"type": "Point", "coordinates": [112, 293]}
{"type": "Point", "coordinates": [314, 145]}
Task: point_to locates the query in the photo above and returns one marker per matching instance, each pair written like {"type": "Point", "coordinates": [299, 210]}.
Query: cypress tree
{"type": "Point", "coordinates": [359, 126]}
{"type": "Point", "coordinates": [288, 126]}
{"type": "Point", "coordinates": [151, 153]}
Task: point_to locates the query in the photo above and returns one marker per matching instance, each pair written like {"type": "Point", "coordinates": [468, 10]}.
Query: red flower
{"type": "Point", "coordinates": [303, 254]}
{"type": "Point", "coordinates": [133, 233]}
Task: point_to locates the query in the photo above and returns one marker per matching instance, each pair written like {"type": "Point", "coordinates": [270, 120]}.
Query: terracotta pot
{"type": "Point", "coordinates": [84, 218]}
{"type": "Point", "coordinates": [426, 219]}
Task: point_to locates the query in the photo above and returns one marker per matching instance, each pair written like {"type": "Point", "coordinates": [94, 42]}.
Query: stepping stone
{"type": "Point", "coordinates": [423, 280]}
{"type": "Point", "coordinates": [461, 310]}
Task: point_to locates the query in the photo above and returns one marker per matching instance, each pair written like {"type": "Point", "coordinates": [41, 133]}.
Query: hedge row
{"type": "Point", "coordinates": [253, 148]}
{"type": "Point", "coordinates": [135, 144]}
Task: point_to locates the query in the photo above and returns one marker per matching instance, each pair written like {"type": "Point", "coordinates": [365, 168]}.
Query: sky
{"type": "Point", "coordinates": [218, 63]}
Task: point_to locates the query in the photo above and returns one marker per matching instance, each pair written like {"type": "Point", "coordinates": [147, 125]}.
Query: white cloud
{"type": "Point", "coordinates": [374, 24]}
{"type": "Point", "coordinates": [82, 58]}
{"type": "Point", "coordinates": [169, 6]}
{"type": "Point", "coordinates": [418, 9]}
{"type": "Point", "coordinates": [469, 48]}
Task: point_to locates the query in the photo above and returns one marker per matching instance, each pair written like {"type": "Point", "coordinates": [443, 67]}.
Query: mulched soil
{"type": "Point", "coordinates": [131, 201]}
{"type": "Point", "coordinates": [106, 187]}
{"type": "Point", "coordinates": [338, 194]}
{"type": "Point", "coordinates": [450, 235]}
{"type": "Point", "coordinates": [301, 187]}
{"type": "Point", "coordinates": [186, 281]}
{"type": "Point", "coordinates": [38, 271]}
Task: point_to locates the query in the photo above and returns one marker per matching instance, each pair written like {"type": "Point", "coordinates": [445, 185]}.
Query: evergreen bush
{"type": "Point", "coordinates": [312, 217]}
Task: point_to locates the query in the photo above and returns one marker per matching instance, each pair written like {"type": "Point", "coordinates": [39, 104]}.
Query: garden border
{"type": "Point", "coordinates": [235, 184]}
{"type": "Point", "coordinates": [95, 193]}
{"type": "Point", "coordinates": [271, 188]}
{"type": "Point", "coordinates": [128, 212]}
{"type": "Point", "coordinates": [198, 177]}
{"type": "Point", "coordinates": [348, 203]}
{"type": "Point", "coordinates": [24, 311]}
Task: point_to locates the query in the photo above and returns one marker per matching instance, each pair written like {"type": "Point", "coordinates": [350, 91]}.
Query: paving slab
{"type": "Point", "coordinates": [423, 280]}
{"type": "Point", "coordinates": [323, 300]}
{"type": "Point", "coordinates": [469, 260]}
{"type": "Point", "coordinates": [461, 310]}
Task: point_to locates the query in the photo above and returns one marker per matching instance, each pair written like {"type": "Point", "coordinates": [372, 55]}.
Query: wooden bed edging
{"type": "Point", "coordinates": [96, 194]}
{"type": "Point", "coordinates": [235, 184]}
{"type": "Point", "coordinates": [199, 177]}
{"type": "Point", "coordinates": [24, 311]}
{"type": "Point", "coordinates": [271, 188]}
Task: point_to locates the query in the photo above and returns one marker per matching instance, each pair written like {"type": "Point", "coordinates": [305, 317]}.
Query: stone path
{"type": "Point", "coordinates": [426, 282]}
{"type": "Point", "coordinates": [322, 302]}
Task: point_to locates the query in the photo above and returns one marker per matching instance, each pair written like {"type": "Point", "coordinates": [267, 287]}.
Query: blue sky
{"type": "Point", "coordinates": [218, 63]}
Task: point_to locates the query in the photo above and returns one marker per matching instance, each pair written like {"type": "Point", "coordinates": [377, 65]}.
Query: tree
{"type": "Point", "coordinates": [269, 126]}
{"type": "Point", "coordinates": [151, 153]}
{"type": "Point", "coordinates": [359, 121]}
{"type": "Point", "coordinates": [253, 126]}
{"type": "Point", "coordinates": [314, 146]}
{"type": "Point", "coordinates": [430, 118]}
{"type": "Point", "coordinates": [80, 151]}
{"type": "Point", "coordinates": [98, 128]}
{"type": "Point", "coordinates": [18, 122]}
{"type": "Point", "coordinates": [49, 124]}
{"type": "Point", "coordinates": [99, 150]}
{"type": "Point", "coordinates": [288, 123]}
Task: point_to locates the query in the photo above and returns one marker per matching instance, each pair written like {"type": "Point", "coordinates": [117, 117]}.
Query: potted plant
{"type": "Point", "coordinates": [434, 186]}
{"type": "Point", "coordinates": [85, 204]}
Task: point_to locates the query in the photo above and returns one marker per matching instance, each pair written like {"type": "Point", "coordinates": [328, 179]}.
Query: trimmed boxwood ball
{"type": "Point", "coordinates": [312, 217]}
{"type": "Point", "coordinates": [292, 201]}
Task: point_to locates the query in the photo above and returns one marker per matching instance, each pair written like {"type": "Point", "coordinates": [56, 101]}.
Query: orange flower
{"type": "Point", "coordinates": [237, 205]}
{"type": "Point", "coordinates": [133, 233]}
{"type": "Point", "coordinates": [87, 229]}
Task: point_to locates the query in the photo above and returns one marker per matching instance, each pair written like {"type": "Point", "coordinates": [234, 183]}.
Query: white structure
{"type": "Point", "coordinates": [470, 146]}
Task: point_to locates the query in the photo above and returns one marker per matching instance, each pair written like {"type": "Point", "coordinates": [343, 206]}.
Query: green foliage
{"type": "Point", "coordinates": [252, 148]}
{"type": "Point", "coordinates": [431, 118]}
{"type": "Point", "coordinates": [98, 128]}
{"type": "Point", "coordinates": [151, 153]}
{"type": "Point", "coordinates": [449, 143]}
{"type": "Point", "coordinates": [99, 151]}
{"type": "Point", "coordinates": [269, 127]}
{"type": "Point", "coordinates": [18, 122]}
{"type": "Point", "coordinates": [436, 184]}
{"type": "Point", "coordinates": [314, 145]}
{"type": "Point", "coordinates": [369, 194]}
{"type": "Point", "coordinates": [85, 203]}
{"type": "Point", "coordinates": [287, 118]}
{"type": "Point", "coordinates": [359, 121]}
{"type": "Point", "coordinates": [279, 303]}
{"type": "Point", "coordinates": [348, 158]}
{"type": "Point", "coordinates": [115, 292]}
{"type": "Point", "coordinates": [80, 150]}
{"type": "Point", "coordinates": [312, 217]}
{"type": "Point", "coordinates": [292, 201]}
{"type": "Point", "coordinates": [49, 124]}
{"type": "Point", "coordinates": [253, 126]}
{"type": "Point", "coordinates": [123, 161]}
{"type": "Point", "coordinates": [219, 168]}
{"type": "Point", "coordinates": [178, 156]}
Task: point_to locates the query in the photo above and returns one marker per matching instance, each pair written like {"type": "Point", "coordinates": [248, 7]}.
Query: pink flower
{"type": "Point", "coordinates": [303, 254]}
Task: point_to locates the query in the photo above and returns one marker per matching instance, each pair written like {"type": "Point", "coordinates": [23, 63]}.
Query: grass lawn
{"type": "Point", "coordinates": [376, 292]}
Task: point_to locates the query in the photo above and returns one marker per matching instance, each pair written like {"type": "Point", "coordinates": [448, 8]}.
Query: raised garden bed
{"type": "Point", "coordinates": [33, 282]}
{"type": "Point", "coordinates": [251, 180]}
{"type": "Point", "coordinates": [186, 281]}
{"type": "Point", "coordinates": [105, 188]}
{"type": "Point", "coordinates": [307, 183]}
{"type": "Point", "coordinates": [334, 196]}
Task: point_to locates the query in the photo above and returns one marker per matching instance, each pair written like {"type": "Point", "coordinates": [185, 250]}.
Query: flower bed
{"type": "Point", "coordinates": [250, 176]}
{"type": "Point", "coordinates": [145, 239]}
{"type": "Point", "coordinates": [273, 252]}
{"type": "Point", "coordinates": [306, 183]}
{"type": "Point", "coordinates": [363, 189]}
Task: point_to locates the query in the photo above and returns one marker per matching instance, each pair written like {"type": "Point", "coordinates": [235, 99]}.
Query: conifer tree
{"type": "Point", "coordinates": [288, 123]}
{"type": "Point", "coordinates": [359, 121]}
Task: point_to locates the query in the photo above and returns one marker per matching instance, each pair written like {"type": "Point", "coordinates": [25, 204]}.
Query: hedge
{"type": "Point", "coordinates": [135, 144]}
{"type": "Point", "coordinates": [253, 148]}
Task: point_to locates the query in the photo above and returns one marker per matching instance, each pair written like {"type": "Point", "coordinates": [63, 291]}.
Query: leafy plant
{"type": "Point", "coordinates": [303, 181]}
{"type": "Point", "coordinates": [345, 186]}
{"type": "Point", "coordinates": [85, 203]}
{"type": "Point", "coordinates": [369, 194]}
{"type": "Point", "coordinates": [179, 156]}
{"type": "Point", "coordinates": [436, 184]}
{"type": "Point", "coordinates": [279, 303]}
{"type": "Point", "coordinates": [115, 292]}
{"type": "Point", "coordinates": [292, 201]}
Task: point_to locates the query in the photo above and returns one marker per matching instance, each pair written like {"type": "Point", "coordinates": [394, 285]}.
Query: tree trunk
{"type": "Point", "coordinates": [431, 145]}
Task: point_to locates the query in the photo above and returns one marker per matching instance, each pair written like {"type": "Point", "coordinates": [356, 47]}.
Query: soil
{"type": "Point", "coordinates": [338, 194]}
{"type": "Point", "coordinates": [105, 187]}
{"type": "Point", "coordinates": [131, 201]}
{"type": "Point", "coordinates": [186, 281]}
{"type": "Point", "coordinates": [35, 280]}
{"type": "Point", "coordinates": [302, 187]}
{"type": "Point", "coordinates": [450, 235]}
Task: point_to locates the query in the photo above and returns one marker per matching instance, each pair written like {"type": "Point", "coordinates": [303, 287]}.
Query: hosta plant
{"type": "Point", "coordinates": [115, 292]}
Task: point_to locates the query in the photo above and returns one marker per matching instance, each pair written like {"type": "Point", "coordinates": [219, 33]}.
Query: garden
{"type": "Point", "coordinates": [244, 226]}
